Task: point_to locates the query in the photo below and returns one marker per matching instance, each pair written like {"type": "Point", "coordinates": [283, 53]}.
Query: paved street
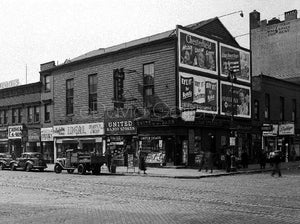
{"type": "Point", "coordinates": [63, 198]}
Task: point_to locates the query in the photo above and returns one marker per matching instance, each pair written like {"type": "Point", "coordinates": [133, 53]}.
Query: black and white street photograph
{"type": "Point", "coordinates": [149, 112]}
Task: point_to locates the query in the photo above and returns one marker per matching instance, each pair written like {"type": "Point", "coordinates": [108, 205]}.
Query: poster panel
{"type": "Point", "coordinates": [198, 93]}
{"type": "Point", "coordinates": [236, 60]}
{"type": "Point", "coordinates": [197, 52]}
{"type": "Point", "coordinates": [235, 99]}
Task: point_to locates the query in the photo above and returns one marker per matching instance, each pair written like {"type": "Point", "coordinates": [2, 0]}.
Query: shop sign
{"type": "Point", "coordinates": [188, 115]}
{"type": "Point", "coordinates": [15, 132]}
{"type": "Point", "coordinates": [235, 99]}
{"type": "Point", "coordinates": [34, 135]}
{"type": "Point", "coordinates": [78, 130]}
{"type": "Point", "coordinates": [197, 52]}
{"type": "Point", "coordinates": [46, 134]}
{"type": "Point", "coordinates": [266, 127]}
{"type": "Point", "coordinates": [273, 132]}
{"type": "Point", "coordinates": [287, 129]}
{"type": "Point", "coordinates": [236, 60]}
{"type": "Point", "coordinates": [120, 126]}
{"type": "Point", "coordinates": [198, 93]}
{"type": "Point", "coordinates": [232, 141]}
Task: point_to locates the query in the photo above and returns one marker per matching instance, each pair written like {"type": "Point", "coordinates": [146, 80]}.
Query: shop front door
{"type": "Point", "coordinates": [170, 152]}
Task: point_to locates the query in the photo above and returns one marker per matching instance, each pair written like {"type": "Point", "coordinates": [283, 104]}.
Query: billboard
{"type": "Point", "coordinates": [235, 59]}
{"type": "Point", "coordinates": [198, 93]}
{"type": "Point", "coordinates": [197, 52]}
{"type": "Point", "coordinates": [235, 99]}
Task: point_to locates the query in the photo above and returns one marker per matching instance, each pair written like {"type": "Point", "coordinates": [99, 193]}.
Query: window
{"type": "Point", "coordinates": [148, 74]}
{"type": "Point", "coordinates": [267, 106]}
{"type": "Point", "coordinates": [70, 96]}
{"type": "Point", "coordinates": [47, 112]}
{"type": "Point", "coordinates": [5, 117]}
{"type": "Point", "coordinates": [47, 83]}
{"type": "Point", "coordinates": [119, 88]}
{"type": "Point", "coordinates": [1, 116]}
{"type": "Point", "coordinates": [14, 116]}
{"type": "Point", "coordinates": [256, 110]}
{"type": "Point", "coordinates": [36, 114]}
{"type": "Point", "coordinates": [30, 115]}
{"type": "Point", "coordinates": [93, 82]}
{"type": "Point", "coordinates": [20, 115]}
{"type": "Point", "coordinates": [294, 111]}
{"type": "Point", "coordinates": [281, 112]}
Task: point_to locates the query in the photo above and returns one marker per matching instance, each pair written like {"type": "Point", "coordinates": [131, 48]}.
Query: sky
{"type": "Point", "coordinates": [34, 32]}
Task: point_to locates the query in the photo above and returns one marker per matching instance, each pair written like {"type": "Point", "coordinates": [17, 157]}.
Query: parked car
{"type": "Point", "coordinates": [29, 161]}
{"type": "Point", "coordinates": [5, 160]}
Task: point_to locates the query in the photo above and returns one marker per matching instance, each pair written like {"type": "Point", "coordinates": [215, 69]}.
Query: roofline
{"type": "Point", "coordinates": [262, 76]}
{"type": "Point", "coordinates": [21, 86]}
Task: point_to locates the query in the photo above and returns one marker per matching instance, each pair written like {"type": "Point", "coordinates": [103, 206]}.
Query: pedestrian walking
{"type": "Point", "coordinates": [209, 162]}
{"type": "Point", "coordinates": [228, 161]}
{"type": "Point", "coordinates": [202, 161]}
{"type": "Point", "coordinates": [142, 163]}
{"type": "Point", "coordinates": [262, 159]}
{"type": "Point", "coordinates": [276, 163]}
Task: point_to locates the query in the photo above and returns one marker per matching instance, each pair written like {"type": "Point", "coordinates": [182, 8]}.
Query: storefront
{"type": "Point", "coordinates": [33, 143]}
{"type": "Point", "coordinates": [121, 138]}
{"type": "Point", "coordinates": [286, 132]}
{"type": "Point", "coordinates": [86, 137]}
{"type": "Point", "coordinates": [47, 144]}
{"type": "Point", "coordinates": [3, 140]}
{"type": "Point", "coordinates": [15, 137]}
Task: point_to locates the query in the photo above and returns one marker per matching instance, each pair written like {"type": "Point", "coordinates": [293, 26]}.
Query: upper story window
{"type": "Point", "coordinates": [36, 114]}
{"type": "Point", "coordinates": [70, 96]}
{"type": "Point", "coordinates": [256, 110]}
{"type": "Point", "coordinates": [3, 117]}
{"type": "Point", "coordinates": [47, 113]}
{"type": "Point", "coordinates": [267, 106]}
{"type": "Point", "coordinates": [119, 88]}
{"type": "Point", "coordinates": [20, 115]}
{"type": "Point", "coordinates": [93, 82]}
{"type": "Point", "coordinates": [47, 83]}
{"type": "Point", "coordinates": [294, 110]}
{"type": "Point", "coordinates": [30, 114]}
{"type": "Point", "coordinates": [148, 81]}
{"type": "Point", "coordinates": [281, 109]}
{"type": "Point", "coordinates": [14, 117]}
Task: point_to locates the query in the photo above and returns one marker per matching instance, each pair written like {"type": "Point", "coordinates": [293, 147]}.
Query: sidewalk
{"type": "Point", "coordinates": [187, 173]}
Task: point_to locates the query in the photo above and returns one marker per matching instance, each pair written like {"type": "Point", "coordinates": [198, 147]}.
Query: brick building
{"type": "Point", "coordinates": [167, 95]}
{"type": "Point", "coordinates": [20, 119]}
{"type": "Point", "coordinates": [276, 105]}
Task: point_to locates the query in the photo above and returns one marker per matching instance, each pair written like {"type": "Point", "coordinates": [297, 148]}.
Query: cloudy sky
{"type": "Point", "coordinates": [33, 32]}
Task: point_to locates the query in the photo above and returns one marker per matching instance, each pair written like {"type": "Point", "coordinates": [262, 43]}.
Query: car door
{"type": "Point", "coordinates": [22, 160]}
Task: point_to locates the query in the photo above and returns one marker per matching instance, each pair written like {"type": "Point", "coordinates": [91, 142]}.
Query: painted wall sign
{"type": "Point", "coordinates": [235, 59]}
{"type": "Point", "coordinates": [15, 132]}
{"type": "Point", "coordinates": [286, 129]}
{"type": "Point", "coordinates": [46, 134]}
{"type": "Point", "coordinates": [34, 135]}
{"type": "Point", "coordinates": [273, 132]}
{"type": "Point", "coordinates": [78, 129]}
{"type": "Point", "coordinates": [9, 84]}
{"type": "Point", "coordinates": [197, 52]}
{"type": "Point", "coordinates": [241, 98]}
{"type": "Point", "coordinates": [198, 93]}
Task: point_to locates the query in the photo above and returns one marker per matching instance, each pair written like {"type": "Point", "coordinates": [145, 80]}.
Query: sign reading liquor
{"type": "Point", "coordinates": [236, 60]}
{"type": "Point", "coordinates": [78, 129]}
{"type": "Point", "coordinates": [46, 134]}
{"type": "Point", "coordinates": [240, 97]}
{"type": "Point", "coordinates": [15, 132]}
{"type": "Point", "coordinates": [197, 52]}
{"type": "Point", "coordinates": [198, 93]}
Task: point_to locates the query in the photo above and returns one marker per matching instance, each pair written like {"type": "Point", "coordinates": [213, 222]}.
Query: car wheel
{"type": "Point", "coordinates": [28, 167]}
{"type": "Point", "coordinates": [1, 166]}
{"type": "Point", "coordinates": [70, 171]}
{"type": "Point", "coordinates": [81, 169]}
{"type": "Point", "coordinates": [57, 168]}
{"type": "Point", "coordinates": [12, 167]}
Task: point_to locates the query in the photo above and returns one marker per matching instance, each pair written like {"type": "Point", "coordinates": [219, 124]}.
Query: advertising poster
{"type": "Point", "coordinates": [197, 52]}
{"type": "Point", "coordinates": [198, 93]}
{"type": "Point", "coordinates": [240, 96]}
{"type": "Point", "coordinates": [236, 60]}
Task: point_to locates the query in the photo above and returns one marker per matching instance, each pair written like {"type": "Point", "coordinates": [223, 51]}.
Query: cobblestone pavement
{"type": "Point", "coordinates": [47, 197]}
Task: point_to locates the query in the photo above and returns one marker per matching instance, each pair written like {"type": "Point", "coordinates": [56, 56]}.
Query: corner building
{"type": "Point", "coordinates": [169, 96]}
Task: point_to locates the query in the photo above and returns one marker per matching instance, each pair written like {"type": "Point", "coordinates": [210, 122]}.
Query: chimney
{"type": "Point", "coordinates": [264, 22]}
{"type": "Point", "coordinates": [47, 65]}
{"type": "Point", "coordinates": [254, 19]}
{"type": "Point", "coordinates": [274, 20]}
{"type": "Point", "coordinates": [290, 15]}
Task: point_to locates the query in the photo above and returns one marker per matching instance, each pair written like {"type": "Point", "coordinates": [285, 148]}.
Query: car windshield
{"type": "Point", "coordinates": [39, 156]}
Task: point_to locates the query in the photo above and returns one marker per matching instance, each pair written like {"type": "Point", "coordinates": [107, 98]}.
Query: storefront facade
{"type": "Point", "coordinates": [47, 144]}
{"type": "Point", "coordinates": [87, 137]}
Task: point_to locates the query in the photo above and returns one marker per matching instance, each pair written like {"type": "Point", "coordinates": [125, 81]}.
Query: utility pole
{"type": "Point", "coordinates": [26, 74]}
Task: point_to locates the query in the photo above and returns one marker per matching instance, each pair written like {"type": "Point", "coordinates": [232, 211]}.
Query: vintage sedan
{"type": "Point", "coordinates": [5, 160]}
{"type": "Point", "coordinates": [29, 161]}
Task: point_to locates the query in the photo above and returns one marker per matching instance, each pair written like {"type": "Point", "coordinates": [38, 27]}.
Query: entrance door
{"type": "Point", "coordinates": [170, 151]}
